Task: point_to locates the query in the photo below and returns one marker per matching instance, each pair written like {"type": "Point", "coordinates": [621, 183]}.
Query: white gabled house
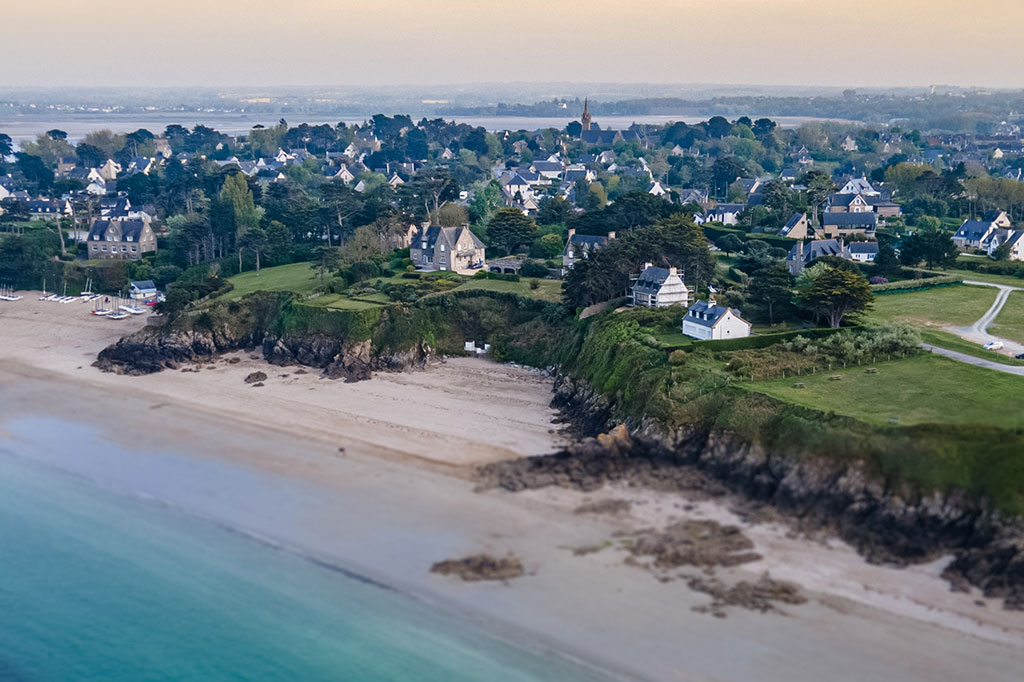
{"type": "Point", "coordinates": [708, 321]}
{"type": "Point", "coordinates": [659, 288]}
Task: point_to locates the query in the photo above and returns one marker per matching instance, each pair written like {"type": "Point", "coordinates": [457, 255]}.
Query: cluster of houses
{"type": "Point", "coordinates": [657, 287]}
{"type": "Point", "coordinates": [988, 234]}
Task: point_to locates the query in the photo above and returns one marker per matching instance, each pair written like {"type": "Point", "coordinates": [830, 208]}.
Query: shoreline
{"type": "Point", "coordinates": [388, 514]}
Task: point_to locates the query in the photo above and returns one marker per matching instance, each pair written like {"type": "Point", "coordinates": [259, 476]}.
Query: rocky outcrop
{"type": "Point", "coordinates": [886, 524]}
{"type": "Point", "coordinates": [152, 350]}
{"type": "Point", "coordinates": [481, 567]}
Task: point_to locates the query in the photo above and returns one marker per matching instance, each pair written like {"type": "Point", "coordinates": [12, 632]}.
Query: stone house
{"type": "Point", "coordinates": [126, 239]}
{"type": "Point", "coordinates": [447, 248]}
{"type": "Point", "coordinates": [659, 288]}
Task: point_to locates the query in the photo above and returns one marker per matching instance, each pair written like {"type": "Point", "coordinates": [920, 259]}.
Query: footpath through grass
{"type": "Point", "coordinates": [1010, 323]}
{"type": "Point", "coordinates": [922, 390]}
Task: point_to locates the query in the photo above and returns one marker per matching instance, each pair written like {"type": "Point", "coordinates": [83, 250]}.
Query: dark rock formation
{"type": "Point", "coordinates": [255, 377]}
{"type": "Point", "coordinates": [885, 524]}
{"type": "Point", "coordinates": [481, 567]}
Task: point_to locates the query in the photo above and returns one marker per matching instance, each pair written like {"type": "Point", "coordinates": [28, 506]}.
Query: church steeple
{"type": "Point", "coordinates": [585, 119]}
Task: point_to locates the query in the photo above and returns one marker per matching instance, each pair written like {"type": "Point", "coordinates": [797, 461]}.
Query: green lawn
{"type": "Point", "coordinates": [1010, 323]}
{"type": "Point", "coordinates": [298, 277]}
{"type": "Point", "coordinates": [548, 289]}
{"type": "Point", "coordinates": [957, 306]}
{"type": "Point", "coordinates": [985, 277]}
{"type": "Point", "coordinates": [922, 390]}
{"type": "Point", "coordinates": [339, 302]}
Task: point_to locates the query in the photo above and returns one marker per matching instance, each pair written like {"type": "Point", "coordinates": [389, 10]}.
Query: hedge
{"type": "Point", "coordinates": [903, 285]}
{"type": "Point", "coordinates": [714, 232]}
{"type": "Point", "coordinates": [756, 341]}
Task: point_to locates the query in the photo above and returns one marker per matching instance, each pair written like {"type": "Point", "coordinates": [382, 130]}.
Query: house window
{"type": "Point", "coordinates": [104, 248]}
{"type": "Point", "coordinates": [134, 249]}
{"type": "Point", "coordinates": [442, 248]}
{"type": "Point", "coordinates": [442, 260]}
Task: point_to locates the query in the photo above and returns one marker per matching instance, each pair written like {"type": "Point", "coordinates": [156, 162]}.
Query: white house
{"type": "Point", "coordinates": [863, 252]}
{"type": "Point", "coordinates": [656, 189]}
{"type": "Point", "coordinates": [976, 234]}
{"type": "Point", "coordinates": [859, 186]}
{"type": "Point", "coordinates": [659, 288]}
{"type": "Point", "coordinates": [1015, 238]}
{"type": "Point", "coordinates": [705, 320]}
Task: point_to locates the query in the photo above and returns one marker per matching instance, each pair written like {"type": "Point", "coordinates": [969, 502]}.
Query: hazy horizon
{"type": "Point", "coordinates": [310, 43]}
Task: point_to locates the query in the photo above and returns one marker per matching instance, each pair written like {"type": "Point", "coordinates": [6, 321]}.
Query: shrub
{"type": "Point", "coordinates": [533, 268]}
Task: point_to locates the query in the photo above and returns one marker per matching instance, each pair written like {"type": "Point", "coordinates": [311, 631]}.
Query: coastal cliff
{"type": "Point", "coordinates": [656, 420]}
{"type": "Point", "coordinates": [891, 523]}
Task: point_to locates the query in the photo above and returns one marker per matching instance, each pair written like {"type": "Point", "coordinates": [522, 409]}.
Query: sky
{"type": "Point", "coordinates": [855, 43]}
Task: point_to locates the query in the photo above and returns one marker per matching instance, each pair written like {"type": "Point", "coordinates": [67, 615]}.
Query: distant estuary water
{"type": "Point", "coordinates": [96, 586]}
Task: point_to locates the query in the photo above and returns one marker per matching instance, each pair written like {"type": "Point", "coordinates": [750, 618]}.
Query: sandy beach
{"type": "Point", "coordinates": [399, 497]}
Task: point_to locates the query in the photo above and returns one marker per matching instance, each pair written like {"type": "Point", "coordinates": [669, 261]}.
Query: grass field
{"type": "Point", "coordinates": [984, 277]}
{"type": "Point", "coordinates": [339, 302]}
{"type": "Point", "coordinates": [920, 390]}
{"type": "Point", "coordinates": [548, 290]}
{"type": "Point", "coordinates": [956, 306]}
{"type": "Point", "coordinates": [298, 277]}
{"type": "Point", "coordinates": [1010, 323]}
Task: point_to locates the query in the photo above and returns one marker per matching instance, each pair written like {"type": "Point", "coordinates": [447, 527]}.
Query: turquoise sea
{"type": "Point", "coordinates": [99, 586]}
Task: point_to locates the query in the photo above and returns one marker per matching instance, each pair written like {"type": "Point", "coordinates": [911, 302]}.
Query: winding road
{"type": "Point", "coordinates": [978, 333]}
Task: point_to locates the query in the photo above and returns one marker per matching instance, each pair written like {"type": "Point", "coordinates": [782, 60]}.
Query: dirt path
{"type": "Point", "coordinates": [978, 332]}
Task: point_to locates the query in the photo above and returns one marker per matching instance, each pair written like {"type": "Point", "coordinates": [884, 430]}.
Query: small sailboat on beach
{"type": "Point", "coordinates": [99, 310]}
{"type": "Point", "coordinates": [7, 292]}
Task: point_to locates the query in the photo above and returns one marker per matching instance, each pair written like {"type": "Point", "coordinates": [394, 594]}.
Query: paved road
{"type": "Point", "coordinates": [977, 362]}
{"type": "Point", "coordinates": [978, 332]}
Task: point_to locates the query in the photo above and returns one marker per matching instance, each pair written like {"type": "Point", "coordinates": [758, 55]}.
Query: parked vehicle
{"type": "Point", "coordinates": [993, 345]}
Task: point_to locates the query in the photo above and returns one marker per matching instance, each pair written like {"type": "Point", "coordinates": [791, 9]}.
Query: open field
{"type": "Point", "coordinates": [919, 390]}
{"type": "Point", "coordinates": [985, 277]}
{"type": "Point", "coordinates": [548, 290]}
{"type": "Point", "coordinates": [1010, 323]}
{"type": "Point", "coordinates": [298, 277]}
{"type": "Point", "coordinates": [952, 306]}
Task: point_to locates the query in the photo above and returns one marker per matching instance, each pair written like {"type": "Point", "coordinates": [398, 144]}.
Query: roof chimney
{"type": "Point", "coordinates": [572, 232]}
{"type": "Point", "coordinates": [672, 271]}
{"type": "Point", "coordinates": [648, 264]}
{"type": "Point", "coordinates": [611, 235]}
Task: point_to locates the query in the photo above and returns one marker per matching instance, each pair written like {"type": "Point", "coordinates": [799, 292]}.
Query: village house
{"type": "Point", "coordinates": [579, 246]}
{"type": "Point", "coordinates": [859, 186]}
{"type": "Point", "coordinates": [975, 234]}
{"type": "Point", "coordinates": [803, 255]}
{"type": "Point", "coordinates": [659, 288]}
{"type": "Point", "coordinates": [797, 227]}
{"type": "Point", "coordinates": [708, 321]}
{"type": "Point", "coordinates": [835, 225]}
{"type": "Point", "coordinates": [863, 252]}
{"type": "Point", "coordinates": [127, 239]}
{"type": "Point", "coordinates": [727, 214]}
{"type": "Point", "coordinates": [1004, 236]}
{"type": "Point", "coordinates": [447, 248]}
{"type": "Point", "coordinates": [143, 290]}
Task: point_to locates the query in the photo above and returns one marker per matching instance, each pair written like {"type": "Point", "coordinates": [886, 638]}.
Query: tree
{"type": "Point", "coordinates": [772, 289]}
{"type": "Point", "coordinates": [486, 200]}
{"type": "Point", "coordinates": [1002, 252]}
{"type": "Point", "coordinates": [6, 146]}
{"type": "Point", "coordinates": [776, 196]}
{"type": "Point", "coordinates": [327, 258]}
{"type": "Point", "coordinates": [729, 243]}
{"type": "Point", "coordinates": [933, 246]}
{"type": "Point", "coordinates": [886, 262]}
{"type": "Point", "coordinates": [548, 246]}
{"type": "Point", "coordinates": [574, 129]}
{"type": "Point", "coordinates": [255, 240]}
{"type": "Point", "coordinates": [833, 293]}
{"type": "Point", "coordinates": [819, 186]}
{"type": "Point", "coordinates": [89, 155]}
{"type": "Point", "coordinates": [509, 228]}
{"type": "Point", "coordinates": [554, 211]}
{"type": "Point", "coordinates": [236, 197]}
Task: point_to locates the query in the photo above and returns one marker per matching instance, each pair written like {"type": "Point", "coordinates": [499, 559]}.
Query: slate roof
{"type": "Point", "coordinates": [651, 279]}
{"type": "Point", "coordinates": [850, 219]}
{"type": "Point", "coordinates": [131, 230]}
{"type": "Point", "coordinates": [863, 247]}
{"type": "Point", "coordinates": [144, 284]}
{"type": "Point", "coordinates": [791, 224]}
{"type": "Point", "coordinates": [816, 249]}
{"type": "Point", "coordinates": [704, 314]}
{"type": "Point", "coordinates": [973, 230]}
{"type": "Point", "coordinates": [588, 241]}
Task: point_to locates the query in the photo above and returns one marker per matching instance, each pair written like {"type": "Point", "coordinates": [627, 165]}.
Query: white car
{"type": "Point", "coordinates": [993, 345]}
